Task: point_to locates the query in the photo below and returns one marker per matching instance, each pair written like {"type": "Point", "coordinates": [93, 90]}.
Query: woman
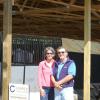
{"type": "Point", "coordinates": [44, 75]}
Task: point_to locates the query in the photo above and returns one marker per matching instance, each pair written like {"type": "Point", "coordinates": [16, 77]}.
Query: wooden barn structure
{"type": "Point", "coordinates": [75, 19]}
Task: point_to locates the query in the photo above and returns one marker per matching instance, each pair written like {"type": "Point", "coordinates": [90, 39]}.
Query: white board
{"type": "Point", "coordinates": [18, 92]}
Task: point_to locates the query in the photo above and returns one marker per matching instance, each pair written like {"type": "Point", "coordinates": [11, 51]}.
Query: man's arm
{"type": "Point", "coordinates": [56, 84]}
{"type": "Point", "coordinates": [65, 79]}
{"type": "Point", "coordinates": [71, 74]}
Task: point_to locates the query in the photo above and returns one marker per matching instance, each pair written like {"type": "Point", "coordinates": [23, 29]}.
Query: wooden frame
{"type": "Point", "coordinates": [7, 38]}
{"type": "Point", "coordinates": [87, 49]}
{"type": "Point", "coordinates": [7, 47]}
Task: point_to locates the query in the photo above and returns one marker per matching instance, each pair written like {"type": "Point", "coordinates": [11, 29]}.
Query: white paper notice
{"type": "Point", "coordinates": [18, 92]}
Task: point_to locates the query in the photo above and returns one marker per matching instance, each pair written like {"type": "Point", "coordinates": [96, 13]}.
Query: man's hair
{"type": "Point", "coordinates": [61, 47]}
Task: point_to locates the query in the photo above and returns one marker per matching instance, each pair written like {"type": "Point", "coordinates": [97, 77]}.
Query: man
{"type": "Point", "coordinates": [63, 76]}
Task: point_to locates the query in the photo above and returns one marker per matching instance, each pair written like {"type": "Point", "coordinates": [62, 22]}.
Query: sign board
{"type": "Point", "coordinates": [31, 78]}
{"type": "Point", "coordinates": [18, 92]}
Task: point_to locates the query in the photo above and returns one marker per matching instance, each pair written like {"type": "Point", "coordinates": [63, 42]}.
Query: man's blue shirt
{"type": "Point", "coordinates": [71, 69]}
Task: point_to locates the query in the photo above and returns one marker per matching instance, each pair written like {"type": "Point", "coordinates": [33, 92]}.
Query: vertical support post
{"type": "Point", "coordinates": [13, 2]}
{"type": "Point", "coordinates": [7, 44]}
{"type": "Point", "coordinates": [87, 49]}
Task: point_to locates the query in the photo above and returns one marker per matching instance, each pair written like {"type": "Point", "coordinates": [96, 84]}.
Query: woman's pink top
{"type": "Point", "coordinates": [44, 73]}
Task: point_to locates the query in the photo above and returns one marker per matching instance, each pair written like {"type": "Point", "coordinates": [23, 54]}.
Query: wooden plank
{"type": "Point", "coordinates": [13, 2]}
{"type": "Point", "coordinates": [7, 43]}
{"type": "Point", "coordinates": [87, 49]}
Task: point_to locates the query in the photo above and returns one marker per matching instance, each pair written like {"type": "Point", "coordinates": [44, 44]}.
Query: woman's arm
{"type": "Point", "coordinates": [56, 84]}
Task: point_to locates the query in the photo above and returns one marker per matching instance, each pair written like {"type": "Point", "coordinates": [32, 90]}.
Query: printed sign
{"type": "Point", "coordinates": [18, 92]}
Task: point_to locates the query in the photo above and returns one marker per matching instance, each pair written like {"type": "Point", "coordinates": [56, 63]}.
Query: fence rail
{"type": "Point", "coordinates": [30, 49]}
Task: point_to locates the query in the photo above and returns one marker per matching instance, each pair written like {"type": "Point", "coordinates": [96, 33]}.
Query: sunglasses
{"type": "Point", "coordinates": [61, 52]}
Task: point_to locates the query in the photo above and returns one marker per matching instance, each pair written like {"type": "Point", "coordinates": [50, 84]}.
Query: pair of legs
{"type": "Point", "coordinates": [64, 94]}
{"type": "Point", "coordinates": [49, 93]}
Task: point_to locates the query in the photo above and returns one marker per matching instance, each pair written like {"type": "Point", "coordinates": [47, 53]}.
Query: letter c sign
{"type": "Point", "coordinates": [12, 88]}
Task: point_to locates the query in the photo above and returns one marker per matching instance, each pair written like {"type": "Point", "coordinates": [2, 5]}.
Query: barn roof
{"type": "Point", "coordinates": [63, 18]}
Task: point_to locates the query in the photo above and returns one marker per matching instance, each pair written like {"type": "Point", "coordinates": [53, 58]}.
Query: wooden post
{"type": "Point", "coordinates": [87, 49]}
{"type": "Point", "coordinates": [13, 2]}
{"type": "Point", "coordinates": [7, 44]}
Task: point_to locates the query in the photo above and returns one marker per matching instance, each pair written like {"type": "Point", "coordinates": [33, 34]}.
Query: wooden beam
{"type": "Point", "coordinates": [1, 1]}
{"type": "Point", "coordinates": [87, 49]}
{"type": "Point", "coordinates": [72, 7]}
{"type": "Point", "coordinates": [24, 3]}
{"type": "Point", "coordinates": [72, 2]}
{"type": "Point", "coordinates": [65, 4]}
{"type": "Point", "coordinates": [13, 2]}
{"type": "Point", "coordinates": [7, 43]}
{"type": "Point", "coordinates": [96, 14]}
{"type": "Point", "coordinates": [96, 7]}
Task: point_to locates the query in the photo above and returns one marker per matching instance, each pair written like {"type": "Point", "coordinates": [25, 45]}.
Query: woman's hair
{"type": "Point", "coordinates": [49, 48]}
